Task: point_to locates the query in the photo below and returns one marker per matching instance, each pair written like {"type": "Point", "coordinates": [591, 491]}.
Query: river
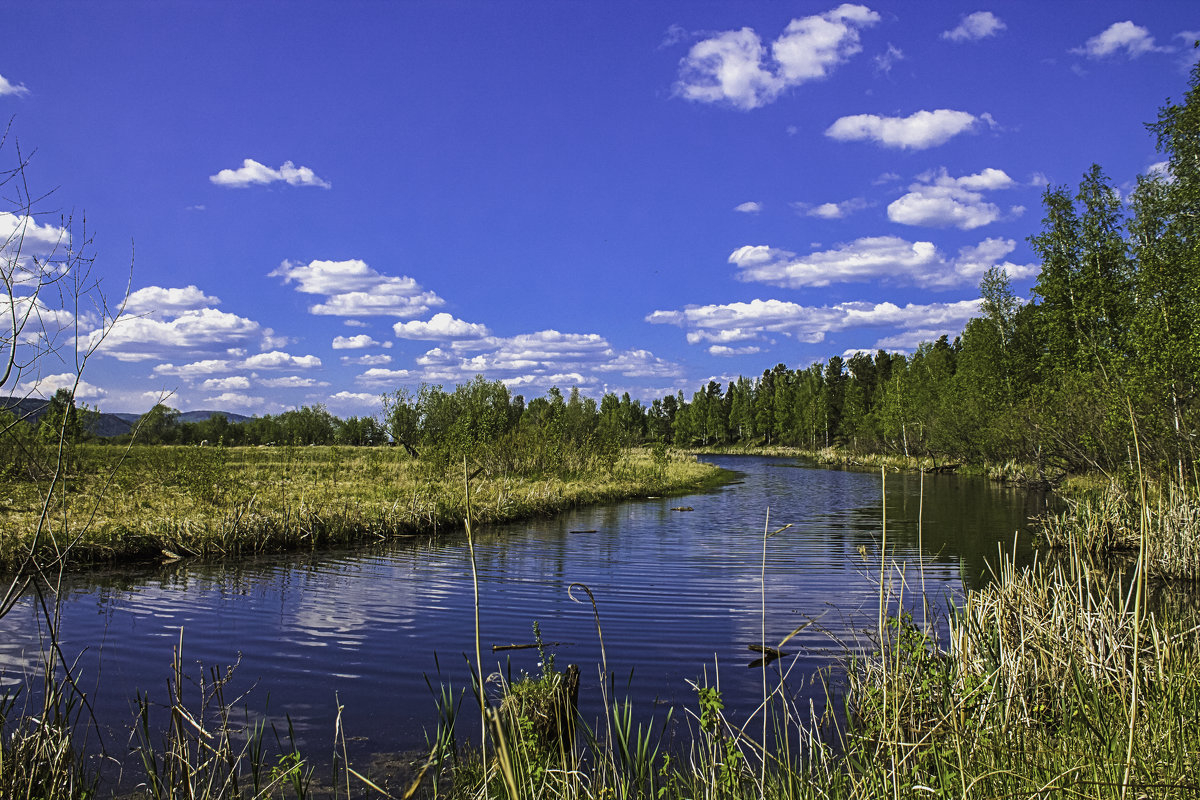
{"type": "Point", "coordinates": [679, 595]}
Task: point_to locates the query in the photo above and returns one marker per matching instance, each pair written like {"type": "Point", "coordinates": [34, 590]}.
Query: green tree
{"type": "Point", "coordinates": [159, 425]}
{"type": "Point", "coordinates": [61, 420]}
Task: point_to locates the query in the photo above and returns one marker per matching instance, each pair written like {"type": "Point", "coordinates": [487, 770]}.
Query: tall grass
{"type": "Point", "coordinates": [1113, 519]}
{"type": "Point", "coordinates": [220, 502]}
{"type": "Point", "coordinates": [1052, 681]}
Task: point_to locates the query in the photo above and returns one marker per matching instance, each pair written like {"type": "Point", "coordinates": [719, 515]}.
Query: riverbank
{"type": "Point", "coordinates": [1008, 472]}
{"type": "Point", "coordinates": [214, 502]}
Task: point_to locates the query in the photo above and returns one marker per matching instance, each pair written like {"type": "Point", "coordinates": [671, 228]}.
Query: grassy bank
{"type": "Point", "coordinates": [112, 504]}
{"type": "Point", "coordinates": [1109, 518]}
{"type": "Point", "coordinates": [1006, 472]}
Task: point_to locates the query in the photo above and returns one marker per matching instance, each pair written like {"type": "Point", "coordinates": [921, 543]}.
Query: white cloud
{"type": "Point", "coordinates": [940, 201]}
{"type": "Point", "coordinates": [441, 326]}
{"type": "Point", "coordinates": [277, 359]}
{"type": "Point", "coordinates": [160, 302]}
{"type": "Point", "coordinates": [367, 361]}
{"type": "Point", "coordinates": [725, 350]}
{"type": "Point", "coordinates": [33, 238]}
{"type": "Point", "coordinates": [47, 386]}
{"type": "Point", "coordinates": [974, 27]}
{"type": "Point", "coordinates": [560, 380]}
{"type": "Point", "coordinates": [8, 87]}
{"type": "Point", "coordinates": [831, 210]}
{"type": "Point", "coordinates": [1133, 40]}
{"type": "Point", "coordinates": [224, 384]}
{"type": "Point", "coordinates": [354, 398]}
{"type": "Point", "coordinates": [749, 207]}
{"type": "Point", "coordinates": [358, 342]}
{"type": "Point", "coordinates": [354, 289]}
{"type": "Point", "coordinates": [291, 382]}
{"type": "Point", "coordinates": [43, 324]}
{"type": "Point", "coordinates": [539, 356]}
{"type": "Point", "coordinates": [917, 131]}
{"type": "Point", "coordinates": [1159, 169]}
{"type": "Point", "coordinates": [377, 376]}
{"type": "Point", "coordinates": [876, 258]}
{"type": "Point", "coordinates": [911, 340]}
{"type": "Point", "coordinates": [758, 319]}
{"type": "Point", "coordinates": [194, 370]}
{"type": "Point", "coordinates": [253, 173]}
{"type": "Point", "coordinates": [194, 331]}
{"type": "Point", "coordinates": [734, 67]}
{"type": "Point", "coordinates": [887, 59]}
{"type": "Point", "coordinates": [229, 400]}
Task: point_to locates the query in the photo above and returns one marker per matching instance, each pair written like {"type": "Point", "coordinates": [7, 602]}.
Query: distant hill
{"type": "Point", "coordinates": [200, 416]}
{"type": "Point", "coordinates": [105, 424]}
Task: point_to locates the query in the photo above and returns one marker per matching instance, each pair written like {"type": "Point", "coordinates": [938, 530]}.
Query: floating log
{"type": "Point", "coordinates": [683, 508]}
{"type": "Point", "coordinates": [767, 651]}
{"type": "Point", "coordinates": [498, 647]}
{"type": "Point", "coordinates": [769, 654]}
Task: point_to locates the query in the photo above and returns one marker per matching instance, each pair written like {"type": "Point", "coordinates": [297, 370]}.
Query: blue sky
{"type": "Point", "coordinates": [325, 201]}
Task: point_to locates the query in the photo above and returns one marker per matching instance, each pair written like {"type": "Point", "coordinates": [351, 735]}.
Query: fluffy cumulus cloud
{"type": "Point", "coordinates": [761, 319]}
{"type": "Point", "coordinates": [354, 289]}
{"type": "Point", "coordinates": [291, 382]}
{"type": "Point", "coordinates": [940, 201]}
{"type": "Point", "coordinates": [1120, 38]}
{"type": "Point", "coordinates": [911, 340]}
{"type": "Point", "coordinates": [974, 27]}
{"type": "Point", "coordinates": [277, 359]}
{"type": "Point", "coordinates": [22, 232]}
{"type": "Point", "coordinates": [831, 210]}
{"type": "Point", "coordinates": [359, 342]}
{"type": "Point", "coordinates": [538, 359]}
{"type": "Point", "coordinates": [203, 330]}
{"type": "Point", "coordinates": [225, 384]}
{"type": "Point", "coordinates": [749, 207]}
{"type": "Point", "coordinates": [726, 350]}
{"type": "Point", "coordinates": [194, 370]}
{"type": "Point", "coordinates": [441, 327]}
{"type": "Point", "coordinates": [354, 399]}
{"type": "Point", "coordinates": [876, 258]}
{"type": "Point", "coordinates": [918, 131]}
{"type": "Point", "coordinates": [40, 325]}
{"type": "Point", "coordinates": [8, 87]}
{"type": "Point", "coordinates": [161, 303]}
{"type": "Point", "coordinates": [48, 385]}
{"type": "Point", "coordinates": [736, 68]}
{"type": "Point", "coordinates": [252, 173]}
{"type": "Point", "coordinates": [378, 376]}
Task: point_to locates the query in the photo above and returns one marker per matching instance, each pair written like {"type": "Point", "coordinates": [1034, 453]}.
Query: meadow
{"type": "Point", "coordinates": [105, 503]}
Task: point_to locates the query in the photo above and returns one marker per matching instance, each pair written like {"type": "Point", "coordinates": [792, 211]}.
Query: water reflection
{"type": "Point", "coordinates": [677, 593]}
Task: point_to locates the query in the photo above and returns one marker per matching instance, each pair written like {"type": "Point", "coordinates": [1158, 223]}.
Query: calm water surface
{"type": "Point", "coordinates": [679, 593]}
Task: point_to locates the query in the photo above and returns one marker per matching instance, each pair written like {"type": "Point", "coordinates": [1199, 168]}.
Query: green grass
{"type": "Point", "coordinates": [1109, 518]}
{"type": "Point", "coordinates": [220, 502]}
